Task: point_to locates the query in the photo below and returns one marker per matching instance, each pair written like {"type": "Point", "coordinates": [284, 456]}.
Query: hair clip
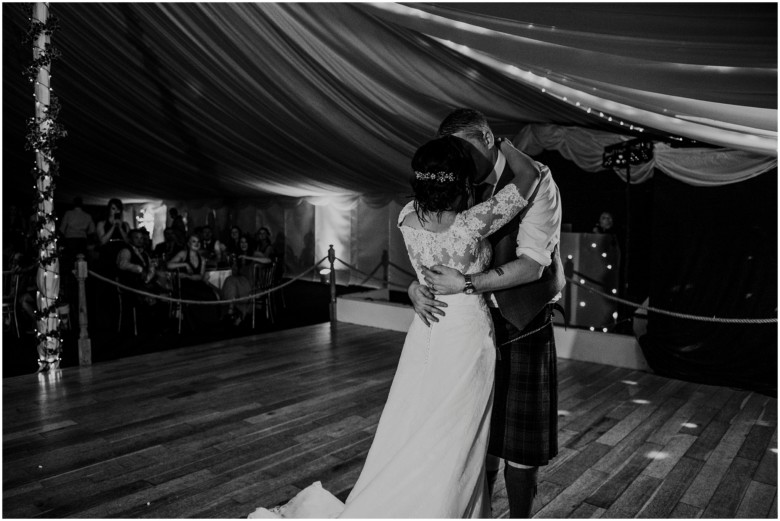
{"type": "Point", "coordinates": [440, 176]}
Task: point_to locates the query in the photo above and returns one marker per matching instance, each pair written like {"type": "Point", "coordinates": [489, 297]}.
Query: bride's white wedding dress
{"type": "Point", "coordinates": [427, 459]}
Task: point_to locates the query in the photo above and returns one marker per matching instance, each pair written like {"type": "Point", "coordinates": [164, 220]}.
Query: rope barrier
{"type": "Point", "coordinates": [205, 302]}
{"type": "Point", "coordinates": [610, 297]}
{"type": "Point", "coordinates": [368, 276]}
{"type": "Point", "coordinates": [399, 268]}
{"type": "Point", "coordinates": [675, 314]}
{"type": "Point", "coordinates": [371, 277]}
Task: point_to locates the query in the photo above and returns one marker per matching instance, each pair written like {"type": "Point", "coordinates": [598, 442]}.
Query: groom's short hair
{"type": "Point", "coordinates": [469, 121]}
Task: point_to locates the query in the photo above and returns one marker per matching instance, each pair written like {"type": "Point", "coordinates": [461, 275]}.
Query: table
{"type": "Point", "coordinates": [217, 277]}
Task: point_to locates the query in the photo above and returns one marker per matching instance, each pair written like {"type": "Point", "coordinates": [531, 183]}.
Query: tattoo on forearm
{"type": "Point", "coordinates": [499, 271]}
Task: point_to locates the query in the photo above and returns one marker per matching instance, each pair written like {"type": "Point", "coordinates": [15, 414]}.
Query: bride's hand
{"type": "Point", "coordinates": [425, 304]}
{"type": "Point", "coordinates": [444, 280]}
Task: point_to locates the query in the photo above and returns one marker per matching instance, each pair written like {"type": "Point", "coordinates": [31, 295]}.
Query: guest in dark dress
{"type": "Point", "coordinates": [240, 282]}
{"type": "Point", "coordinates": [113, 234]}
{"type": "Point", "coordinates": [191, 267]}
{"type": "Point", "coordinates": [263, 245]}
{"type": "Point", "coordinates": [231, 245]}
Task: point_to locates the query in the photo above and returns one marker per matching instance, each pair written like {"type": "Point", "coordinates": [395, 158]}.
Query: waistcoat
{"type": "Point", "coordinates": [520, 304]}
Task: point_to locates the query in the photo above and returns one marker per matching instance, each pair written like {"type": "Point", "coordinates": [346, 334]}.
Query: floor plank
{"type": "Point", "coordinates": [667, 496]}
{"type": "Point", "coordinates": [757, 501]}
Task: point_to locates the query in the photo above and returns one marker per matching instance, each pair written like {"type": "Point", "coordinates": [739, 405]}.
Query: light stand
{"type": "Point", "coordinates": [623, 155]}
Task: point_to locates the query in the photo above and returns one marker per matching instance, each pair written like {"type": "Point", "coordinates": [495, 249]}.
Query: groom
{"type": "Point", "coordinates": [525, 278]}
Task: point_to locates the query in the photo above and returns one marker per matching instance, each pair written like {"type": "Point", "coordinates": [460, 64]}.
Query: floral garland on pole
{"type": "Point", "coordinates": [43, 131]}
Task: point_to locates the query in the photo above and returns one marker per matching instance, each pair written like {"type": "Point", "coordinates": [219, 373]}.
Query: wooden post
{"type": "Point", "coordinates": [332, 260]}
{"type": "Point", "coordinates": [85, 344]}
{"type": "Point", "coordinates": [386, 269]}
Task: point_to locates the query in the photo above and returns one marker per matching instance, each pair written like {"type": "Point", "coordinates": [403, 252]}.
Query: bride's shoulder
{"type": "Point", "coordinates": [405, 212]}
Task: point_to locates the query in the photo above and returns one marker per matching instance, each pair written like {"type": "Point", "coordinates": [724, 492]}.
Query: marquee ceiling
{"type": "Point", "coordinates": [252, 100]}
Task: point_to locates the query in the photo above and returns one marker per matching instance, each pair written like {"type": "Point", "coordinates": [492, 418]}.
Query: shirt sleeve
{"type": "Point", "coordinates": [540, 229]}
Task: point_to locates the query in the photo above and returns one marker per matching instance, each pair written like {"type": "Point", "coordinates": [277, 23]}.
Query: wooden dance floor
{"type": "Point", "coordinates": [218, 429]}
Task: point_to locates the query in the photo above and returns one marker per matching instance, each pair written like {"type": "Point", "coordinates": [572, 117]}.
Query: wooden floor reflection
{"type": "Point", "coordinates": [218, 429]}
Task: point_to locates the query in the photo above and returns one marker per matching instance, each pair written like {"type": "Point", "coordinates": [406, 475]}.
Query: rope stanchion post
{"type": "Point", "coordinates": [332, 260]}
{"type": "Point", "coordinates": [85, 344]}
{"type": "Point", "coordinates": [568, 272]}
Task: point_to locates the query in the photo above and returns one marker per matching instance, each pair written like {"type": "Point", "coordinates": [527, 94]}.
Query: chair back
{"type": "Point", "coordinates": [174, 282]}
{"type": "Point", "coordinates": [263, 276]}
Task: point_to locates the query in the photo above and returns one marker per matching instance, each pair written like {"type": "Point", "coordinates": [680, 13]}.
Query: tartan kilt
{"type": "Point", "coordinates": [524, 423]}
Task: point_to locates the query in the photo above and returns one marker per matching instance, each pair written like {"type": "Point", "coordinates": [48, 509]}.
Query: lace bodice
{"type": "Point", "coordinates": [463, 245]}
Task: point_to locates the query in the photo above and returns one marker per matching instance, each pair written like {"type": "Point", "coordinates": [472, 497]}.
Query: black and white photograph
{"type": "Point", "coordinates": [318, 260]}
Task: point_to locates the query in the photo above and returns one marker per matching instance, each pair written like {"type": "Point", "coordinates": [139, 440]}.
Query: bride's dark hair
{"type": "Point", "coordinates": [442, 174]}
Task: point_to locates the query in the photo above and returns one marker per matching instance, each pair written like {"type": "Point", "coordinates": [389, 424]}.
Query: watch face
{"type": "Point", "coordinates": [469, 291]}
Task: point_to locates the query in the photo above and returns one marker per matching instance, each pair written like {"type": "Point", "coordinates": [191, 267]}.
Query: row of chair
{"type": "Point", "coordinates": [265, 277]}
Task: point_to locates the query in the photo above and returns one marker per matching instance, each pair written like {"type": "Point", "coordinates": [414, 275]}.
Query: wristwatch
{"type": "Point", "coordinates": [468, 289]}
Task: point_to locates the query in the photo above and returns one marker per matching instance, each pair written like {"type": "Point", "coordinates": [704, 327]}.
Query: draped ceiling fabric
{"type": "Point", "coordinates": [694, 166]}
{"type": "Point", "coordinates": [197, 101]}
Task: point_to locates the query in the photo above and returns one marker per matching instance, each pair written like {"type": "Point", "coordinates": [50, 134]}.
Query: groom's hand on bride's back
{"type": "Point", "coordinates": [425, 304]}
{"type": "Point", "coordinates": [444, 280]}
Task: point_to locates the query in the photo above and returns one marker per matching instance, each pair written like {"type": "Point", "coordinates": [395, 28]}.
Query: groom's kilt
{"type": "Point", "coordinates": [524, 424]}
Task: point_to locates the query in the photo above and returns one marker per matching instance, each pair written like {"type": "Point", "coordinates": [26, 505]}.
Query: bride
{"type": "Point", "coordinates": [427, 459]}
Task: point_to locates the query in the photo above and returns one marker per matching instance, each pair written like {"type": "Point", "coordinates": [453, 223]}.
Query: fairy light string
{"type": "Point", "coordinates": [43, 133]}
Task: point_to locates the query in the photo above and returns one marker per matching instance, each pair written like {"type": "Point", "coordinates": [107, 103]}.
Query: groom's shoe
{"type": "Point", "coordinates": [521, 490]}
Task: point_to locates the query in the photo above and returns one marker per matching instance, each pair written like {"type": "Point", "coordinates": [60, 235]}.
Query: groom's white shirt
{"type": "Point", "coordinates": [540, 229]}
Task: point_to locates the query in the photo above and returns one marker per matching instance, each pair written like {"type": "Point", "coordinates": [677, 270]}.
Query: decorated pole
{"type": "Point", "coordinates": [42, 134]}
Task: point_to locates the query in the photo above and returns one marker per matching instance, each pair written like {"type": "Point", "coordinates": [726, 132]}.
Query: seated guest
{"type": "Point", "coordinates": [240, 282]}
{"type": "Point", "coordinates": [147, 240]}
{"type": "Point", "coordinates": [231, 245]}
{"type": "Point", "coordinates": [191, 267]}
{"type": "Point", "coordinates": [169, 247]}
{"type": "Point", "coordinates": [263, 245]}
{"type": "Point", "coordinates": [210, 248]}
{"type": "Point", "coordinates": [135, 269]}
